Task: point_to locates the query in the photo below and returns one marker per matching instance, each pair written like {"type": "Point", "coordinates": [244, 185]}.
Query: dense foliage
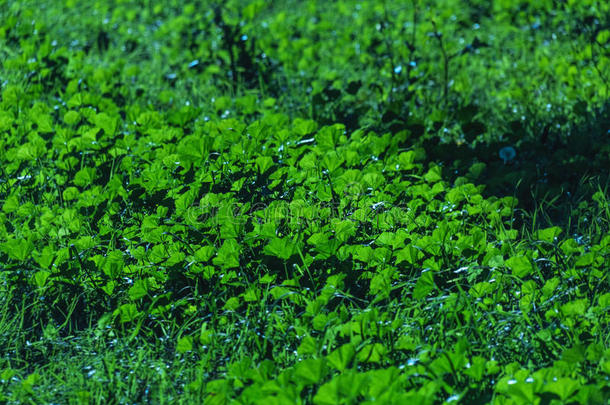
{"type": "Point", "coordinates": [304, 202]}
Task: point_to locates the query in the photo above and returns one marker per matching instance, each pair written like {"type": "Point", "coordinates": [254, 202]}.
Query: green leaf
{"type": "Point", "coordinates": [232, 304]}
{"type": "Point", "coordinates": [282, 248]}
{"type": "Point", "coordinates": [344, 230]}
{"type": "Point", "coordinates": [576, 307]}
{"type": "Point", "coordinates": [570, 246]}
{"type": "Point", "coordinates": [252, 294]}
{"type": "Point", "coordinates": [11, 204]}
{"type": "Point", "coordinates": [496, 261]}
{"type": "Point", "coordinates": [7, 374]}
{"type": "Point", "coordinates": [382, 255]}
{"type": "Point", "coordinates": [127, 312]}
{"type": "Point", "coordinates": [477, 368]}
{"type": "Point", "coordinates": [18, 249]}
{"type": "Point", "coordinates": [304, 127]}
{"type": "Point", "coordinates": [434, 174]}
{"type": "Point", "coordinates": [323, 245]}
{"type": "Point", "coordinates": [32, 150]}
{"type": "Point", "coordinates": [406, 160]}
{"type": "Point", "coordinates": [70, 193]}
{"type": "Point", "coordinates": [71, 117]}
{"type": "Point", "coordinates": [44, 122]}
{"type": "Point", "coordinates": [331, 161]}
{"type": "Point", "coordinates": [373, 180]}
{"type": "Point", "coordinates": [363, 253]}
{"type": "Point", "coordinates": [204, 253]}
{"type": "Point", "coordinates": [194, 148]}
{"type": "Point", "coordinates": [107, 123]}
{"type": "Point", "coordinates": [476, 170]}
{"type": "Point", "coordinates": [85, 242]}
{"type": "Point", "coordinates": [206, 335]}
{"type": "Point", "coordinates": [6, 120]}
{"type": "Point", "coordinates": [603, 36]}
{"type": "Point", "coordinates": [309, 161]}
{"type": "Point", "coordinates": [340, 358]}
{"type": "Point", "coordinates": [40, 278]}
{"type": "Point", "coordinates": [247, 103]}
{"type": "Point", "coordinates": [550, 286]}
{"type": "Point", "coordinates": [424, 285]}
{"type": "Point", "coordinates": [45, 257]}
{"type": "Point", "coordinates": [410, 254]}
{"type": "Point", "coordinates": [109, 287]}
{"type": "Point", "coordinates": [519, 265]}
{"type": "Point", "coordinates": [253, 9]}
{"type": "Point", "coordinates": [548, 234]}
{"type": "Point", "coordinates": [113, 264]}
{"type": "Point", "coordinates": [227, 256]}
{"type": "Point", "coordinates": [222, 103]}
{"type": "Point", "coordinates": [263, 163]}
{"type": "Point", "coordinates": [139, 289]}
{"type": "Point", "coordinates": [185, 344]}
{"type": "Point", "coordinates": [604, 301]}
{"type": "Point", "coordinates": [329, 393]}
{"type": "Point", "coordinates": [308, 345]}
{"type": "Point", "coordinates": [372, 353]}
{"type": "Point", "coordinates": [575, 354]}
{"type": "Point", "coordinates": [520, 391]}
{"type": "Point", "coordinates": [481, 289]}
{"type": "Point", "coordinates": [585, 260]}
{"type": "Point", "coordinates": [383, 382]}
{"type": "Point", "coordinates": [563, 387]}
{"type": "Point", "coordinates": [29, 382]}
{"type": "Point", "coordinates": [84, 177]}
{"type": "Point", "coordinates": [310, 371]}
{"type": "Point", "coordinates": [385, 239]}
{"type": "Point", "coordinates": [327, 137]}
{"type": "Point", "coordinates": [341, 389]}
{"type": "Point", "coordinates": [380, 285]}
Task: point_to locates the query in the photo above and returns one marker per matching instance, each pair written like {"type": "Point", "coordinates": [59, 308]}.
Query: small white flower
{"type": "Point", "coordinates": [507, 154]}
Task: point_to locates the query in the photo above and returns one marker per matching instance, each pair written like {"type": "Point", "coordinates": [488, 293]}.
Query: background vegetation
{"type": "Point", "coordinates": [304, 202]}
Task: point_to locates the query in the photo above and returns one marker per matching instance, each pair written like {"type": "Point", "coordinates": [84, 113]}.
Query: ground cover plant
{"type": "Point", "coordinates": [304, 202]}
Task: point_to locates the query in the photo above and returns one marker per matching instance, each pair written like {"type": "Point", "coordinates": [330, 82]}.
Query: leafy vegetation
{"type": "Point", "coordinates": [304, 202]}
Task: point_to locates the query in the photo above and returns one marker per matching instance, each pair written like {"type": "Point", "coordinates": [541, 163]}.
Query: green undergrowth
{"type": "Point", "coordinates": [214, 203]}
{"type": "Point", "coordinates": [276, 248]}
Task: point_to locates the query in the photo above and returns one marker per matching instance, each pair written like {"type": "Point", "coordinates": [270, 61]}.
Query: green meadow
{"type": "Point", "coordinates": [304, 202]}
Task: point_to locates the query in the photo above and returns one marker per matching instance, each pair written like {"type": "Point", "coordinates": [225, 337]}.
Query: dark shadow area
{"type": "Point", "coordinates": [557, 173]}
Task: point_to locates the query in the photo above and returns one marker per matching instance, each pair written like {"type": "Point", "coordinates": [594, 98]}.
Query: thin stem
{"type": "Point", "coordinates": [446, 59]}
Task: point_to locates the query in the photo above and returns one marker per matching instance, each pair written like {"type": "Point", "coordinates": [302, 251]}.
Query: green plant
{"type": "Point", "coordinates": [303, 202]}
